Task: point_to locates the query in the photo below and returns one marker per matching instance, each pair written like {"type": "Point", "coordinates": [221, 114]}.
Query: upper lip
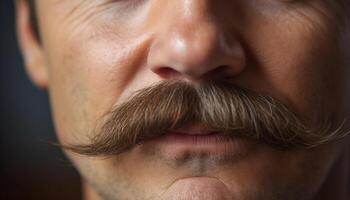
{"type": "Point", "coordinates": [195, 129]}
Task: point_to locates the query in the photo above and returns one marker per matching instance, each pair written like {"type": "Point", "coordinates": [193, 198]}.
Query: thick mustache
{"type": "Point", "coordinates": [231, 110]}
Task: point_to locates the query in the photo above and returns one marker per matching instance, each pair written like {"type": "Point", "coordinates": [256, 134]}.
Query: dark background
{"type": "Point", "coordinates": [31, 168]}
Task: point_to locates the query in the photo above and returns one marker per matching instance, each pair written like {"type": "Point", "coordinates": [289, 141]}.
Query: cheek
{"type": "Point", "coordinates": [87, 76]}
{"type": "Point", "coordinates": [296, 59]}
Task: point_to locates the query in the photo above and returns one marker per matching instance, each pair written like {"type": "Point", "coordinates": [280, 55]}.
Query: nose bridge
{"type": "Point", "coordinates": [195, 25]}
{"type": "Point", "coordinates": [192, 41]}
{"type": "Point", "coordinates": [194, 10]}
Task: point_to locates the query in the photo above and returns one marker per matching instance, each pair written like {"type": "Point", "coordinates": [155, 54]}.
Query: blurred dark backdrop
{"type": "Point", "coordinates": [31, 168]}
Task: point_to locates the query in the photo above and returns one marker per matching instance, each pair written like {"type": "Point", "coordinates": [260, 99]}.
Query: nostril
{"type": "Point", "coordinates": [167, 72]}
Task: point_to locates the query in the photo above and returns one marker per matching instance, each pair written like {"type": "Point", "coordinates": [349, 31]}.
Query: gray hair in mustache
{"type": "Point", "coordinates": [226, 108]}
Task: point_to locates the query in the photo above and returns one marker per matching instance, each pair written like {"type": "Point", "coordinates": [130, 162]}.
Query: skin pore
{"type": "Point", "coordinates": [96, 54]}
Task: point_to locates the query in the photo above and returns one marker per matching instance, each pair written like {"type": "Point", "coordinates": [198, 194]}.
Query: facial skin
{"type": "Point", "coordinates": [96, 54]}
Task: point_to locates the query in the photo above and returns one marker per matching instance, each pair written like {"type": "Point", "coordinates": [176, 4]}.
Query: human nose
{"type": "Point", "coordinates": [194, 44]}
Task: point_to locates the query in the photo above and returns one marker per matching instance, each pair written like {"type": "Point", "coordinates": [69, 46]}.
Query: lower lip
{"type": "Point", "coordinates": [216, 143]}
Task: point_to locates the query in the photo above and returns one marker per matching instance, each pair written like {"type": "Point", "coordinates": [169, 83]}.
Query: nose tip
{"type": "Point", "coordinates": [196, 53]}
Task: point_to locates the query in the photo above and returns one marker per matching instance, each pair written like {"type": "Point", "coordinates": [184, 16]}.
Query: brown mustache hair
{"type": "Point", "coordinates": [226, 108]}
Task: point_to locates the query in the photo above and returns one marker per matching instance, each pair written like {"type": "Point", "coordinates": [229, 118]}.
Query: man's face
{"type": "Point", "coordinates": [94, 55]}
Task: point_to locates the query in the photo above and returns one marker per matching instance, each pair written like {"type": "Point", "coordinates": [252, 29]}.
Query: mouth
{"type": "Point", "coordinates": [201, 139]}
